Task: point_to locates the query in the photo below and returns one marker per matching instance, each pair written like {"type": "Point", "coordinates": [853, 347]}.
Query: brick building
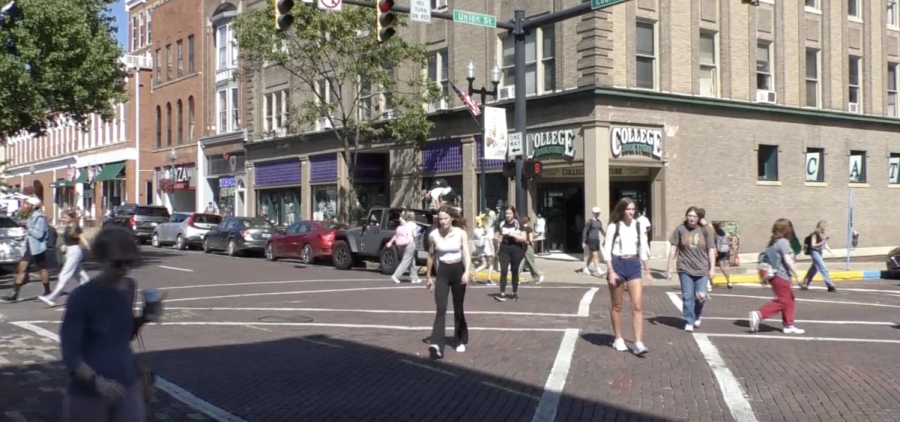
{"type": "Point", "coordinates": [94, 169]}
{"type": "Point", "coordinates": [172, 32]}
{"type": "Point", "coordinates": [754, 112]}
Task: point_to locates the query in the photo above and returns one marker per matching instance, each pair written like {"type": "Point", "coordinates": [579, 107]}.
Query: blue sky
{"type": "Point", "coordinates": [121, 22]}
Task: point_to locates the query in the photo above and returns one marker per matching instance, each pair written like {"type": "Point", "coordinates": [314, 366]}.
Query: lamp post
{"type": "Point", "coordinates": [483, 92]}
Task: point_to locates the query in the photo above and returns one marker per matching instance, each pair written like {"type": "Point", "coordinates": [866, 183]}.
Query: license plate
{"type": "Point", "coordinates": [266, 235]}
{"type": "Point", "coordinates": [154, 224]}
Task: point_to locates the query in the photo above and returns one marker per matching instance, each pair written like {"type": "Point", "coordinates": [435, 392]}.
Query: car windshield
{"type": "Point", "coordinates": [207, 218]}
{"type": "Point", "coordinates": [334, 226]}
{"type": "Point", "coordinates": [8, 223]}
{"type": "Point", "coordinates": [153, 211]}
{"type": "Point", "coordinates": [257, 223]}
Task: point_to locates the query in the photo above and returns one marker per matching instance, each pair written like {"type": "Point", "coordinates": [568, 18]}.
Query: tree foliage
{"type": "Point", "coordinates": [340, 50]}
{"type": "Point", "coordinates": [58, 59]}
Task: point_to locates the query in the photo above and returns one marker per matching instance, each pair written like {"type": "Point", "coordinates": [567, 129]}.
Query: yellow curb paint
{"type": "Point", "coordinates": [719, 280]}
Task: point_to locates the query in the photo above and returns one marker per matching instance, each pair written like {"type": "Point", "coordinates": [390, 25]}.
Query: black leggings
{"type": "Point", "coordinates": [449, 279]}
{"type": "Point", "coordinates": [510, 255]}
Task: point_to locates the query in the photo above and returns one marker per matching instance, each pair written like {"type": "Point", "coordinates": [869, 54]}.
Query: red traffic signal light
{"type": "Point", "coordinates": [283, 18]}
{"type": "Point", "coordinates": [384, 20]}
{"type": "Point", "coordinates": [533, 168]}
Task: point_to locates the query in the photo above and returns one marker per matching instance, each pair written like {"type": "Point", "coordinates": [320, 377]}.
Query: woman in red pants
{"type": "Point", "coordinates": [781, 284]}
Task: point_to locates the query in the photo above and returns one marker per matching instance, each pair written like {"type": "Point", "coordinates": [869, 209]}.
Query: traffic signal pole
{"type": "Point", "coordinates": [519, 28]}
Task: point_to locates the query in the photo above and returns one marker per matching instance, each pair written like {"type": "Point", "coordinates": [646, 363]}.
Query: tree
{"type": "Point", "coordinates": [366, 90]}
{"type": "Point", "coordinates": [59, 59]}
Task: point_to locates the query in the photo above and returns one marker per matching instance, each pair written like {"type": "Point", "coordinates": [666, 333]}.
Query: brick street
{"type": "Point", "coordinates": [245, 339]}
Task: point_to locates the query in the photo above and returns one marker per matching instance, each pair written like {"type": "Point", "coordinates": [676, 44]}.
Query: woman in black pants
{"type": "Point", "coordinates": [449, 243]}
{"type": "Point", "coordinates": [511, 253]}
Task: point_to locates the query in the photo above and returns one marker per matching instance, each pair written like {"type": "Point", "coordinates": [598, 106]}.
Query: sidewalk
{"type": "Point", "coordinates": [32, 382]}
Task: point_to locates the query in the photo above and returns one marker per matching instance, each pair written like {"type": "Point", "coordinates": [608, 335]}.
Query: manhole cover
{"type": "Point", "coordinates": [293, 319]}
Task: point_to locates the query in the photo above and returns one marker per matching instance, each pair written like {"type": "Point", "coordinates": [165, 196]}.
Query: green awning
{"type": "Point", "coordinates": [110, 171]}
{"type": "Point", "coordinates": [82, 176]}
{"type": "Point", "coordinates": [61, 183]}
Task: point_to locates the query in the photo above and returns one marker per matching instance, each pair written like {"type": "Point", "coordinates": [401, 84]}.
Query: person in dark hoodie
{"type": "Point", "coordinates": [592, 238]}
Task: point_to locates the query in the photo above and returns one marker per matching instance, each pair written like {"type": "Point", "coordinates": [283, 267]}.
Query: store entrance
{"type": "Point", "coordinates": [638, 191]}
{"type": "Point", "coordinates": [562, 206]}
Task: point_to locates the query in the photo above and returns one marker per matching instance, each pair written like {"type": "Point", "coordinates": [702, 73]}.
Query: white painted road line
{"type": "Point", "coordinates": [676, 300]}
{"type": "Point", "coordinates": [175, 268]}
{"type": "Point", "coordinates": [556, 382]}
{"type": "Point", "coordinates": [303, 292]}
{"type": "Point", "coordinates": [809, 321]}
{"type": "Point", "coordinates": [328, 325]}
{"type": "Point", "coordinates": [173, 390]}
{"type": "Point", "coordinates": [804, 338]}
{"type": "Point", "coordinates": [365, 311]}
{"type": "Point", "coordinates": [261, 283]}
{"type": "Point", "coordinates": [584, 307]}
{"type": "Point", "coordinates": [830, 302]}
{"type": "Point", "coordinates": [735, 397]}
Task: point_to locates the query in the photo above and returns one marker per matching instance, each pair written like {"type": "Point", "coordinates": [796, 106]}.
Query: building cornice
{"type": "Point", "coordinates": [223, 138]}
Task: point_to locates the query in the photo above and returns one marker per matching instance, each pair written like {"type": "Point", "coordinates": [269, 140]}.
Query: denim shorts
{"type": "Point", "coordinates": [627, 269]}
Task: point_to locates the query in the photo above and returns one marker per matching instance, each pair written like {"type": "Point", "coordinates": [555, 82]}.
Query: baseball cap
{"type": "Point", "coordinates": [34, 201]}
{"type": "Point", "coordinates": [595, 210]}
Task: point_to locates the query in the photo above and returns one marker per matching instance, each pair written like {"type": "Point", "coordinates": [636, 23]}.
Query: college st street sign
{"type": "Point", "coordinates": [633, 141]}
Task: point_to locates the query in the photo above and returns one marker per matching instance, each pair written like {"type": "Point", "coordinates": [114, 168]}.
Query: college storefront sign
{"type": "Point", "coordinates": [633, 141]}
{"type": "Point", "coordinates": [553, 142]}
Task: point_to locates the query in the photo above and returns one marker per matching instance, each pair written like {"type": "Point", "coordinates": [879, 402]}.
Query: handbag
{"type": "Point", "coordinates": [146, 377]}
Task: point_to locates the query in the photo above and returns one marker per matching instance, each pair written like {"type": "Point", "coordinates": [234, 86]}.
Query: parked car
{"type": "Point", "coordinates": [366, 241]}
{"type": "Point", "coordinates": [236, 235]}
{"type": "Point", "coordinates": [305, 240]}
{"type": "Point", "coordinates": [184, 229]}
{"type": "Point", "coordinates": [12, 234]}
{"type": "Point", "coordinates": [141, 219]}
{"type": "Point", "coordinates": [893, 261]}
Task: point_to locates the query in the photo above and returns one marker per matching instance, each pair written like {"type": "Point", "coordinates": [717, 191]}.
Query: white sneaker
{"type": "Point", "coordinates": [417, 281]}
{"type": "Point", "coordinates": [435, 352]}
{"type": "Point", "coordinates": [47, 300]}
{"type": "Point", "coordinates": [396, 280]}
{"type": "Point", "coordinates": [619, 345]}
{"type": "Point", "coordinates": [689, 328]}
{"type": "Point", "coordinates": [461, 348]}
{"type": "Point", "coordinates": [697, 323]}
{"type": "Point", "coordinates": [754, 321]}
{"type": "Point", "coordinates": [640, 349]}
{"type": "Point", "coordinates": [540, 280]}
{"type": "Point", "coordinates": [793, 330]}
{"type": "Point", "coordinates": [586, 271]}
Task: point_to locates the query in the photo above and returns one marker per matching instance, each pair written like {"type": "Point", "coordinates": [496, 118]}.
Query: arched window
{"type": "Point", "coordinates": [168, 124]}
{"type": "Point", "coordinates": [158, 127]}
{"type": "Point", "coordinates": [180, 124]}
{"type": "Point", "coordinates": [191, 119]}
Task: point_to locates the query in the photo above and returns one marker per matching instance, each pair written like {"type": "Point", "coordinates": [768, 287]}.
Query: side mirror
{"type": "Point", "coordinates": [362, 222]}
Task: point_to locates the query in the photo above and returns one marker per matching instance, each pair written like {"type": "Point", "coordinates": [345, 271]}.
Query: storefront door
{"type": "Point", "coordinates": [562, 206]}
{"type": "Point", "coordinates": [638, 191]}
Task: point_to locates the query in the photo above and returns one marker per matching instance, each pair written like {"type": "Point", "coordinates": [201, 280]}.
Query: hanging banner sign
{"type": "Point", "coordinates": [495, 133]}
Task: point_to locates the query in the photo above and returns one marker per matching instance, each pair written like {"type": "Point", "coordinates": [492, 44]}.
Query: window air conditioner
{"type": "Point", "coordinates": [507, 92]}
{"type": "Point", "coordinates": [437, 105]}
{"type": "Point", "coordinates": [387, 115]}
{"type": "Point", "coordinates": [763, 96]}
{"type": "Point", "coordinates": [853, 107]}
{"type": "Point", "coordinates": [324, 123]}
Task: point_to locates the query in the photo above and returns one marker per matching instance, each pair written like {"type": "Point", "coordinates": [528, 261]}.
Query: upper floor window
{"type": "Point", "coordinates": [169, 62]}
{"type": "Point", "coordinates": [158, 63]}
{"type": "Point", "coordinates": [134, 33]}
{"type": "Point", "coordinates": [767, 163]}
{"type": "Point", "coordinates": [222, 47]}
{"type": "Point", "coordinates": [169, 124]}
{"type": "Point", "coordinates": [892, 90]}
{"type": "Point", "coordinates": [815, 165]}
{"type": "Point", "coordinates": [366, 101]}
{"type": "Point", "coordinates": [854, 99]}
{"type": "Point", "coordinates": [763, 67]}
{"type": "Point", "coordinates": [141, 32]}
{"type": "Point", "coordinates": [438, 69]}
{"type": "Point", "coordinates": [275, 110]}
{"type": "Point", "coordinates": [812, 78]}
{"type": "Point", "coordinates": [180, 53]}
{"type": "Point", "coordinates": [645, 52]}
{"type": "Point", "coordinates": [180, 123]}
{"type": "Point", "coordinates": [227, 110]}
{"type": "Point", "coordinates": [540, 63]}
{"type": "Point", "coordinates": [853, 9]}
{"type": "Point", "coordinates": [812, 4]}
{"type": "Point", "coordinates": [191, 54]}
{"type": "Point", "coordinates": [894, 169]}
{"type": "Point", "coordinates": [709, 78]}
{"type": "Point", "coordinates": [149, 21]}
{"type": "Point", "coordinates": [892, 13]}
{"type": "Point", "coordinates": [191, 119]}
{"type": "Point", "coordinates": [324, 97]}
{"type": "Point", "coordinates": [158, 127]}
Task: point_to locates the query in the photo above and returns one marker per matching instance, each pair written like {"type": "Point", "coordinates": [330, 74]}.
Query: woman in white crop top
{"type": "Point", "coordinates": [449, 244]}
{"type": "Point", "coordinates": [624, 249]}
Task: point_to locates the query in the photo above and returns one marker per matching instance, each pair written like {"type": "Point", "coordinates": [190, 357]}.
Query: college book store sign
{"type": "Point", "coordinates": [552, 143]}
{"type": "Point", "coordinates": [632, 141]}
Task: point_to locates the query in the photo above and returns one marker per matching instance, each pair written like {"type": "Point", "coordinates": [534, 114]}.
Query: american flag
{"type": "Point", "coordinates": [467, 100]}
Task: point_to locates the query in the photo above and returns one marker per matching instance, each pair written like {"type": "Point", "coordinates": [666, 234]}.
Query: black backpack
{"type": "Point", "coordinates": [52, 236]}
{"type": "Point", "coordinates": [807, 245]}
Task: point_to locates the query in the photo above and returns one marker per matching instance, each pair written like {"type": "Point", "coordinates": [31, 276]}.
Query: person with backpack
{"type": "Point", "coordinates": [777, 267]}
{"type": "Point", "coordinates": [36, 239]}
{"type": "Point", "coordinates": [694, 246]}
{"type": "Point", "coordinates": [591, 239]}
{"type": "Point", "coordinates": [813, 245]}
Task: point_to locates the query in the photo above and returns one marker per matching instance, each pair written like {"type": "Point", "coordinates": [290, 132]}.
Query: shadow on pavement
{"type": "Point", "coordinates": [763, 327]}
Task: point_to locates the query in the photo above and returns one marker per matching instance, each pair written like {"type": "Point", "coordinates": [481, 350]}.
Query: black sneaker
{"type": "Point", "coordinates": [13, 298]}
{"type": "Point", "coordinates": [832, 289]}
{"type": "Point", "coordinates": [500, 297]}
{"type": "Point", "coordinates": [515, 297]}
{"type": "Point", "coordinates": [435, 352]}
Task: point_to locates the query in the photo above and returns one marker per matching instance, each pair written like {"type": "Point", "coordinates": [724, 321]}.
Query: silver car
{"type": "Point", "coordinates": [184, 229]}
{"type": "Point", "coordinates": [12, 236]}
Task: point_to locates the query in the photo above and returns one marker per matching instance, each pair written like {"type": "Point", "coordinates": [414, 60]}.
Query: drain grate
{"type": "Point", "coordinates": [292, 319]}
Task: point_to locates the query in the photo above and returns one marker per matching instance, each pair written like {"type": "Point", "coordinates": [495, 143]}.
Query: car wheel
{"type": "Point", "coordinates": [388, 261]}
{"type": "Point", "coordinates": [155, 240]}
{"type": "Point", "coordinates": [206, 248]}
{"type": "Point", "coordinates": [306, 255]}
{"type": "Point", "coordinates": [232, 248]}
{"type": "Point", "coordinates": [270, 252]}
{"type": "Point", "coordinates": [179, 243]}
{"type": "Point", "coordinates": [341, 256]}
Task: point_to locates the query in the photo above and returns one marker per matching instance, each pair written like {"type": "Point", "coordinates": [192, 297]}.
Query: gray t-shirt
{"type": "Point", "coordinates": [693, 249]}
{"type": "Point", "coordinates": [783, 247]}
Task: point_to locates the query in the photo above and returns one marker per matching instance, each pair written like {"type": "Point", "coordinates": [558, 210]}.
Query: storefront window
{"type": "Point", "coordinates": [224, 192]}
{"type": "Point", "coordinates": [496, 190]}
{"type": "Point", "coordinates": [281, 207]}
{"type": "Point", "coordinates": [65, 199]}
{"type": "Point", "coordinates": [439, 190]}
{"type": "Point", "coordinates": [325, 200]}
{"type": "Point", "coordinates": [88, 201]}
{"type": "Point", "coordinates": [368, 196]}
{"type": "Point", "coordinates": [113, 192]}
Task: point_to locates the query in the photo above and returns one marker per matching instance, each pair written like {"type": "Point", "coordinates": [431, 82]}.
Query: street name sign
{"type": "Point", "coordinates": [600, 4]}
{"type": "Point", "coordinates": [477, 19]}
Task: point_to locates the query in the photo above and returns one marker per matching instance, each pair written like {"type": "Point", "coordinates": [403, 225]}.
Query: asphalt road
{"type": "Point", "coordinates": [249, 340]}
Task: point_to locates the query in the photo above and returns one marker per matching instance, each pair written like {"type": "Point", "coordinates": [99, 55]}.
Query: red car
{"type": "Point", "coordinates": [305, 240]}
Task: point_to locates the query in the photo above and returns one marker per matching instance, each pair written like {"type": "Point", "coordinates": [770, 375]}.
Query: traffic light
{"type": "Point", "coordinates": [384, 20]}
{"type": "Point", "coordinates": [283, 17]}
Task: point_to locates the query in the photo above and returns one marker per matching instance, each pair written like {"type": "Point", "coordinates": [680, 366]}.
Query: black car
{"type": "Point", "coordinates": [238, 234]}
{"type": "Point", "coordinates": [893, 261]}
{"type": "Point", "coordinates": [140, 219]}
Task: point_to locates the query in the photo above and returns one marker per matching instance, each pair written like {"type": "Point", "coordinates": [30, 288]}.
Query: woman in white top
{"type": "Point", "coordinates": [624, 249]}
{"type": "Point", "coordinates": [449, 244]}
{"type": "Point", "coordinates": [484, 246]}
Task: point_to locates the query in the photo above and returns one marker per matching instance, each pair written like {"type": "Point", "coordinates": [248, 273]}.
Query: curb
{"type": "Point", "coordinates": [835, 276]}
